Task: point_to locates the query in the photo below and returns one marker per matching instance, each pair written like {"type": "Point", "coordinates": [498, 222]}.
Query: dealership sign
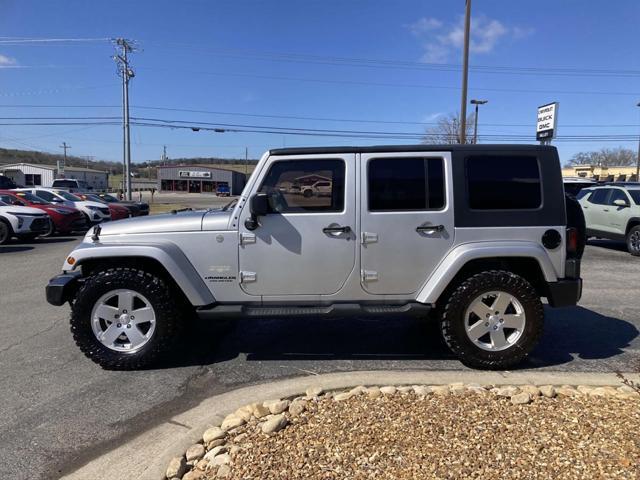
{"type": "Point", "coordinates": [193, 174]}
{"type": "Point", "coordinates": [547, 121]}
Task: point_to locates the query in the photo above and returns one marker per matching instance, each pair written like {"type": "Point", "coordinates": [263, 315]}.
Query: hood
{"type": "Point", "coordinates": [21, 210]}
{"type": "Point", "coordinates": [190, 221]}
{"type": "Point", "coordinates": [89, 203]}
{"type": "Point", "coordinates": [57, 207]}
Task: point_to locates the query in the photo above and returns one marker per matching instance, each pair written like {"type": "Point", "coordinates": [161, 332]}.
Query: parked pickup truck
{"type": "Point", "coordinates": [471, 237]}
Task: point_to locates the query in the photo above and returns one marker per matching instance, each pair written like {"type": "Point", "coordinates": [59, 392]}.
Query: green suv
{"type": "Point", "coordinates": [613, 212]}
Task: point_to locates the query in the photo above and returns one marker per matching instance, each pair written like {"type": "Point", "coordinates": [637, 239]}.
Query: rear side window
{"type": "Point", "coordinates": [503, 182]}
{"type": "Point", "coordinates": [405, 184]}
{"type": "Point", "coordinates": [599, 197]}
{"type": "Point", "coordinates": [583, 193]}
{"type": "Point", "coordinates": [49, 197]}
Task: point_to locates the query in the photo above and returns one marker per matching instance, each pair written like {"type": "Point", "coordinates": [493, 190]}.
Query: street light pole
{"type": "Point", "coordinates": [465, 72]}
{"type": "Point", "coordinates": [475, 118]}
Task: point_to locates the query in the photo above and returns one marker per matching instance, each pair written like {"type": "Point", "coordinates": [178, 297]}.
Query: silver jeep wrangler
{"type": "Point", "coordinates": [471, 236]}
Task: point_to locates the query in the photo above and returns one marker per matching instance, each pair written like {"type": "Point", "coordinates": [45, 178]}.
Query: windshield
{"type": "Point", "coordinates": [67, 196]}
{"type": "Point", "coordinates": [31, 198]}
{"type": "Point", "coordinates": [635, 194]}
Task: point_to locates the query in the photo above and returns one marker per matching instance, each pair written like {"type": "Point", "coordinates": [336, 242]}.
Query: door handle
{"type": "Point", "coordinates": [605, 209]}
{"type": "Point", "coordinates": [430, 228]}
{"type": "Point", "coordinates": [337, 229]}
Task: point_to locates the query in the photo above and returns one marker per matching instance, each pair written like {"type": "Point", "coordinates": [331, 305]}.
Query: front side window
{"type": "Point", "coordinates": [583, 193]}
{"type": "Point", "coordinates": [405, 184]}
{"type": "Point", "coordinates": [303, 186]}
{"type": "Point", "coordinates": [48, 196]}
{"type": "Point", "coordinates": [68, 196]}
{"type": "Point", "coordinates": [635, 194]}
{"type": "Point", "coordinates": [503, 182]}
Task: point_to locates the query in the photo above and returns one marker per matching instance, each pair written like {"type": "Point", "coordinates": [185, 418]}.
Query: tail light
{"type": "Point", "coordinates": [572, 240]}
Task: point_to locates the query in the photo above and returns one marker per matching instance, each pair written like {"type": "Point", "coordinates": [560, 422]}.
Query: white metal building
{"type": "Point", "coordinates": [29, 174]}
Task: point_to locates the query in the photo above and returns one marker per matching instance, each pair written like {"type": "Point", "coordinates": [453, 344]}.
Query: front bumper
{"type": "Point", "coordinates": [565, 292]}
{"type": "Point", "coordinates": [62, 288]}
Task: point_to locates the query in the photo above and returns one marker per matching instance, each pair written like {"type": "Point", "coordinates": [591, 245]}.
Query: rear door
{"type": "Point", "coordinates": [594, 209]}
{"type": "Point", "coordinates": [406, 219]}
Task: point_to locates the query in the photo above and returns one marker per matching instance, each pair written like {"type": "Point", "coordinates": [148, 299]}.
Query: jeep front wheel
{"type": "Point", "coordinates": [493, 320]}
{"type": "Point", "coordinates": [124, 318]}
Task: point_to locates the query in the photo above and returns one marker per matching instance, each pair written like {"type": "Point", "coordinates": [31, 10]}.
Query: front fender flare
{"type": "Point", "coordinates": [462, 254]}
{"type": "Point", "coordinates": [168, 254]}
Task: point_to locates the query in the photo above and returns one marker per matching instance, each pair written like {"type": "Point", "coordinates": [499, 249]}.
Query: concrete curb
{"type": "Point", "coordinates": [146, 456]}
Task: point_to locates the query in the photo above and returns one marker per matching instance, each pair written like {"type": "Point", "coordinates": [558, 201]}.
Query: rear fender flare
{"type": "Point", "coordinates": [462, 254]}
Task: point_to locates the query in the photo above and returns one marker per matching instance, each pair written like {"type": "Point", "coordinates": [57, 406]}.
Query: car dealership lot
{"type": "Point", "coordinates": [61, 409]}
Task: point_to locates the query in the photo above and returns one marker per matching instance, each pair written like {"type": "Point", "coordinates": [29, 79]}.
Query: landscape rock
{"type": "Point", "coordinates": [177, 467]}
{"type": "Point", "coordinates": [276, 407]}
{"type": "Point", "coordinates": [343, 396]}
{"type": "Point", "coordinates": [440, 390]}
{"type": "Point", "coordinates": [531, 390]}
{"type": "Point", "coordinates": [314, 392]}
{"type": "Point", "coordinates": [195, 452]}
{"type": "Point", "coordinates": [213, 433]}
{"type": "Point", "coordinates": [567, 391]}
{"type": "Point", "coordinates": [297, 407]}
{"type": "Point", "coordinates": [421, 390]}
{"type": "Point", "coordinates": [244, 413]}
{"type": "Point", "coordinates": [507, 391]}
{"type": "Point", "coordinates": [374, 392]}
{"type": "Point", "coordinates": [221, 459]}
{"type": "Point", "coordinates": [194, 475]}
{"type": "Point", "coordinates": [521, 398]}
{"type": "Point", "coordinates": [548, 391]}
{"type": "Point", "coordinates": [259, 410]}
{"type": "Point", "coordinates": [211, 454]}
{"type": "Point", "coordinates": [232, 421]}
{"type": "Point", "coordinates": [388, 390]}
{"type": "Point", "coordinates": [274, 424]}
{"type": "Point", "coordinates": [404, 389]}
{"type": "Point", "coordinates": [202, 464]}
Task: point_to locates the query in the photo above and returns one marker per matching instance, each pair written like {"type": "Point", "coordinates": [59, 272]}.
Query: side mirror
{"type": "Point", "coordinates": [258, 206]}
{"type": "Point", "coordinates": [621, 203]}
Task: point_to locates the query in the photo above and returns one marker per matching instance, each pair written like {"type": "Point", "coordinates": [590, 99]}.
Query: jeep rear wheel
{"type": "Point", "coordinates": [124, 318]}
{"type": "Point", "coordinates": [633, 241]}
{"type": "Point", "coordinates": [493, 320]}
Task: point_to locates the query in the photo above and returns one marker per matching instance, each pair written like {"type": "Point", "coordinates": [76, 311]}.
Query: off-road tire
{"type": "Point", "coordinates": [155, 289]}
{"type": "Point", "coordinates": [634, 231]}
{"type": "Point", "coordinates": [453, 320]}
{"type": "Point", "coordinates": [5, 232]}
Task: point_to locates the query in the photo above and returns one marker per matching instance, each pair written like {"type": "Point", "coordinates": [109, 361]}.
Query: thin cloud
{"type": "Point", "coordinates": [7, 61]}
{"type": "Point", "coordinates": [440, 40]}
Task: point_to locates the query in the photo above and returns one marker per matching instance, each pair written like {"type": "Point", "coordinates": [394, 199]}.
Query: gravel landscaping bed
{"type": "Point", "coordinates": [451, 431]}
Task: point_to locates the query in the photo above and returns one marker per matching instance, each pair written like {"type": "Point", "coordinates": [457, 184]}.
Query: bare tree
{"type": "Point", "coordinates": [447, 131]}
{"type": "Point", "coordinates": [605, 157]}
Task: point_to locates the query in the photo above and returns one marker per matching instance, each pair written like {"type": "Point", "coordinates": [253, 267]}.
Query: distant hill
{"type": "Point", "coordinates": [44, 158]}
{"type": "Point", "coordinates": [115, 168]}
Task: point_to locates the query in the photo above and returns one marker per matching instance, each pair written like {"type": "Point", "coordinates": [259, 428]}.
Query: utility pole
{"type": "Point", "coordinates": [465, 72]}
{"type": "Point", "coordinates": [124, 70]}
{"type": "Point", "coordinates": [164, 155]}
{"type": "Point", "coordinates": [246, 161]}
{"type": "Point", "coordinates": [65, 147]}
{"type": "Point", "coordinates": [475, 118]}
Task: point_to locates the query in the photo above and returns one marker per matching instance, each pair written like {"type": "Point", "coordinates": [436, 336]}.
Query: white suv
{"type": "Point", "coordinates": [22, 222]}
{"type": "Point", "coordinates": [95, 212]}
{"type": "Point", "coordinates": [613, 212]}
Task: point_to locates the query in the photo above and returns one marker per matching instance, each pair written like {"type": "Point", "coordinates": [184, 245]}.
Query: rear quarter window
{"type": "Point", "coordinates": [509, 182]}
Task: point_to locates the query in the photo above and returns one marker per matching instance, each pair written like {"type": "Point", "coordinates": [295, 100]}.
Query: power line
{"type": "Point", "coordinates": [303, 117]}
{"type": "Point", "coordinates": [32, 40]}
{"type": "Point", "coordinates": [395, 85]}
{"type": "Point", "coordinates": [395, 64]}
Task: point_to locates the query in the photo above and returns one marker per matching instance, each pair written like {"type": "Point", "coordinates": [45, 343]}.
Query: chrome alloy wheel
{"type": "Point", "coordinates": [634, 241]}
{"type": "Point", "coordinates": [123, 320]}
{"type": "Point", "coordinates": [495, 321]}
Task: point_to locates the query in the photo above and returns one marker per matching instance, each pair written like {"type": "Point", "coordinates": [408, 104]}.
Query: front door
{"type": "Point", "coordinates": [406, 219]}
{"type": "Point", "coordinates": [306, 245]}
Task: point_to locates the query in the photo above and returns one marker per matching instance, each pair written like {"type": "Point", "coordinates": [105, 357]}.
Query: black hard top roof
{"type": "Point", "coordinates": [484, 148]}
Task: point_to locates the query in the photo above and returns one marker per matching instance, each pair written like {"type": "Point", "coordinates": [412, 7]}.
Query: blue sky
{"type": "Point", "coordinates": [283, 58]}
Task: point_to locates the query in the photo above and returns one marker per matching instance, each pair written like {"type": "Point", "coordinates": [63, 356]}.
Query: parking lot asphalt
{"type": "Point", "coordinates": [59, 409]}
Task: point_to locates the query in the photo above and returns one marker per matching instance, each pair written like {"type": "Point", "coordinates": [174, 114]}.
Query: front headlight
{"type": "Point", "coordinates": [62, 212]}
{"type": "Point", "coordinates": [95, 209]}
